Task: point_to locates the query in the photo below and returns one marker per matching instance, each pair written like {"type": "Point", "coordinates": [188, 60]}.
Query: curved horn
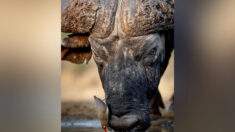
{"type": "Point", "coordinates": [149, 16]}
{"type": "Point", "coordinates": [78, 16]}
{"type": "Point", "coordinates": [101, 111]}
{"type": "Point", "coordinates": [76, 48]}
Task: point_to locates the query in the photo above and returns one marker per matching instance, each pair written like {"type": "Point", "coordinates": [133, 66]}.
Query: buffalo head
{"type": "Point", "coordinates": [131, 43]}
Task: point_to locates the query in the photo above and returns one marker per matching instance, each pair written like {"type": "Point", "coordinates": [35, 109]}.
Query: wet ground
{"type": "Point", "coordinates": [94, 126]}
{"type": "Point", "coordinates": [81, 117]}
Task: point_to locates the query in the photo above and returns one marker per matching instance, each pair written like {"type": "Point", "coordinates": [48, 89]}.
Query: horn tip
{"type": "Point", "coordinates": [95, 97]}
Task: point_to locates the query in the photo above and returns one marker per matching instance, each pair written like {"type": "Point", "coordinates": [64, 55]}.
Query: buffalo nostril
{"type": "Point", "coordinates": [124, 122]}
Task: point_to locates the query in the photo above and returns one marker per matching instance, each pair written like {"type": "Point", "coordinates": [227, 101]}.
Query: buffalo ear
{"type": "Point", "coordinates": [76, 49]}
{"type": "Point", "coordinates": [101, 111]}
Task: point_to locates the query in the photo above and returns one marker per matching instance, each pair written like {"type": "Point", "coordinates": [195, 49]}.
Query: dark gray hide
{"type": "Point", "coordinates": [131, 41]}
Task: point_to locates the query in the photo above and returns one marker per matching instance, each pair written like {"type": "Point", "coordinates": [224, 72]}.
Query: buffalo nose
{"type": "Point", "coordinates": [123, 122]}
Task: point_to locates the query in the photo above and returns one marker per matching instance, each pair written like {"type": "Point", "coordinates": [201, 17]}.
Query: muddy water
{"type": "Point", "coordinates": [94, 126]}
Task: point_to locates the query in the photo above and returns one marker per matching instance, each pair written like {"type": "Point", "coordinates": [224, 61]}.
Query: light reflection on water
{"type": "Point", "coordinates": [94, 126]}
{"type": "Point", "coordinates": [81, 124]}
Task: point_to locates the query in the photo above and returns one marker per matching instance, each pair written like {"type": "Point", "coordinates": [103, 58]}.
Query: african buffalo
{"type": "Point", "coordinates": [131, 42]}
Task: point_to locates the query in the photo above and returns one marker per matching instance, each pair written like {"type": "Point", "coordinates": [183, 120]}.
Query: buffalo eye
{"type": "Point", "coordinates": [150, 57]}
{"type": "Point", "coordinates": [152, 52]}
{"type": "Point", "coordinates": [98, 60]}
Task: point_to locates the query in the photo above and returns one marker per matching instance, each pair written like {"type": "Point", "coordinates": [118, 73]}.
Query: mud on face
{"type": "Point", "coordinates": [130, 70]}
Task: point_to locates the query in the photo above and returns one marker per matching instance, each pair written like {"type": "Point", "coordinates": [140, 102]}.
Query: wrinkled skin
{"type": "Point", "coordinates": [131, 43]}
{"type": "Point", "coordinates": [130, 69]}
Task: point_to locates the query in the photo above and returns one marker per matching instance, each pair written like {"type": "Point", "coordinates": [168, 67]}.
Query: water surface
{"type": "Point", "coordinates": [94, 126]}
